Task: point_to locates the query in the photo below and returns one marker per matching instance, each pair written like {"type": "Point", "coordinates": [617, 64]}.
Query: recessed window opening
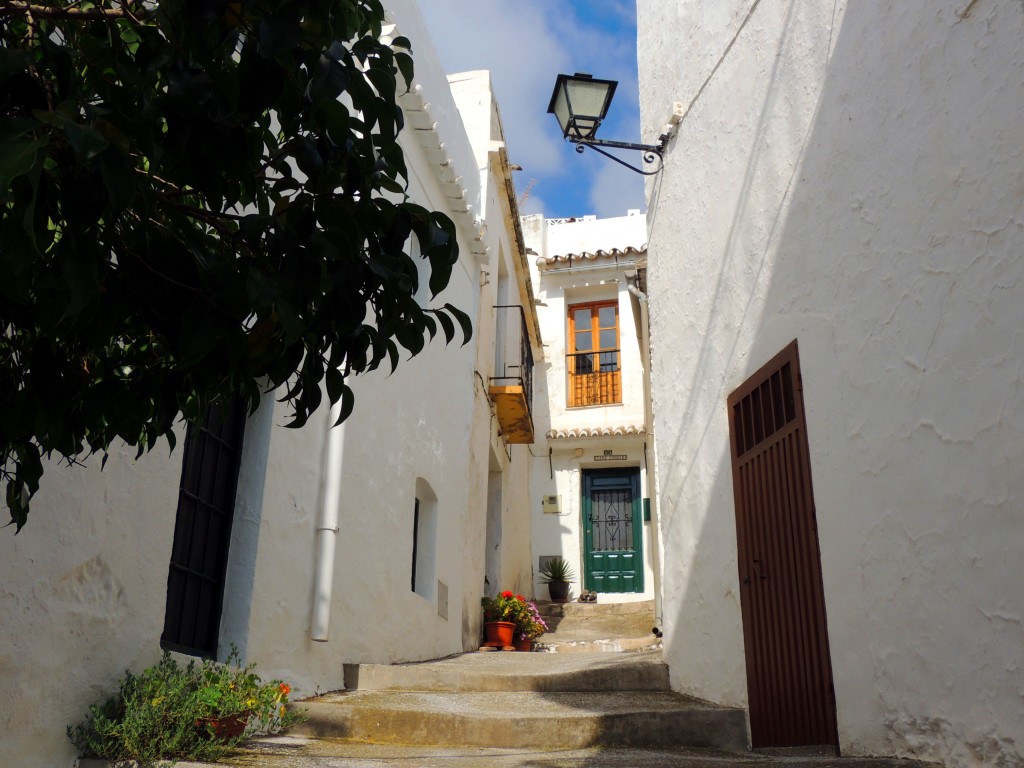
{"type": "Point", "coordinates": [424, 541]}
{"type": "Point", "coordinates": [202, 531]}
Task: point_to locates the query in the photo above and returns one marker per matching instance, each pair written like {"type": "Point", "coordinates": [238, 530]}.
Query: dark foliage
{"type": "Point", "coordinates": [199, 199]}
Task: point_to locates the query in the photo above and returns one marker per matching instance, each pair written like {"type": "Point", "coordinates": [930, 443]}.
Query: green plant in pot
{"type": "Point", "coordinates": [557, 574]}
{"type": "Point", "coordinates": [196, 712]}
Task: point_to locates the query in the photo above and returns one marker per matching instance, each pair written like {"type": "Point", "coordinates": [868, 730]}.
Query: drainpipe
{"type": "Point", "coordinates": [652, 481]}
{"type": "Point", "coordinates": [327, 527]}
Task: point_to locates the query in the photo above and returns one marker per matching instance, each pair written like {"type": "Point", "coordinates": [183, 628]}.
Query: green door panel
{"type": "Point", "coordinates": [612, 531]}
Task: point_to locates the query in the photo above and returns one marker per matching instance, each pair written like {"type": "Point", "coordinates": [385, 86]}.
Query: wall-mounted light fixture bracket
{"type": "Point", "coordinates": [580, 103]}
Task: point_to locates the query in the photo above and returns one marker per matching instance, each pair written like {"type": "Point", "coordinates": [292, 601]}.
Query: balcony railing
{"type": "Point", "coordinates": [594, 378]}
{"type": "Point", "coordinates": [511, 387]}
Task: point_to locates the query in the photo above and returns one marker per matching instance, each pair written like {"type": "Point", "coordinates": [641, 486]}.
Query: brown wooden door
{"type": "Point", "coordinates": [789, 672]}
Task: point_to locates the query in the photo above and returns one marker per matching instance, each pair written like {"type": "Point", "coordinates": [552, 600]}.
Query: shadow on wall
{"type": "Point", "coordinates": [884, 233]}
{"type": "Point", "coordinates": [544, 484]}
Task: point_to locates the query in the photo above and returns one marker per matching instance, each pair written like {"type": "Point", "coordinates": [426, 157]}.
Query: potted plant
{"type": "Point", "coordinates": [557, 573]}
{"type": "Point", "coordinates": [510, 620]}
{"type": "Point", "coordinates": [500, 618]}
{"type": "Point", "coordinates": [529, 626]}
{"type": "Point", "coordinates": [170, 712]}
{"type": "Point", "coordinates": [230, 697]}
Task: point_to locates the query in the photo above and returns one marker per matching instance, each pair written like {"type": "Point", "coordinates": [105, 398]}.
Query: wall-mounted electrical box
{"type": "Point", "coordinates": [551, 505]}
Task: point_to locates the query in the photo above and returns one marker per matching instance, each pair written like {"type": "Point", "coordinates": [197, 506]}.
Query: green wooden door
{"type": "Point", "coordinates": [612, 542]}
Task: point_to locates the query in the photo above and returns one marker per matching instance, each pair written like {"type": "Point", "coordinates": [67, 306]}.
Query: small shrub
{"type": "Point", "coordinates": [508, 606]}
{"type": "Point", "coordinates": [165, 712]}
{"type": "Point", "coordinates": [556, 569]}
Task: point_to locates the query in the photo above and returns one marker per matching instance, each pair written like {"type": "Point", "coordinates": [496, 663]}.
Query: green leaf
{"type": "Point", "coordinates": [337, 121]}
{"type": "Point", "coordinates": [447, 325]}
{"type": "Point", "coordinates": [279, 35]}
{"type": "Point", "coordinates": [85, 140]}
{"type": "Point", "coordinates": [410, 337]}
{"type": "Point", "coordinates": [335, 383]}
{"type": "Point", "coordinates": [17, 158]}
{"type": "Point", "coordinates": [13, 128]}
{"type": "Point", "coordinates": [348, 402]}
{"type": "Point", "coordinates": [428, 321]}
{"type": "Point", "coordinates": [13, 60]}
{"type": "Point", "coordinates": [464, 322]}
{"type": "Point", "coordinates": [405, 66]}
{"type": "Point", "coordinates": [328, 81]}
{"type": "Point", "coordinates": [119, 179]}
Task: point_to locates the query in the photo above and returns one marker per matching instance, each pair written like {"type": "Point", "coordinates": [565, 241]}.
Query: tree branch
{"type": "Point", "coordinates": [14, 7]}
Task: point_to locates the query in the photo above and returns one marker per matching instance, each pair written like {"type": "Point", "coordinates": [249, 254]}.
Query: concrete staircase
{"type": "Point", "coordinates": [546, 701]}
{"type": "Point", "coordinates": [577, 706]}
{"type": "Point", "coordinates": [577, 695]}
{"type": "Point", "coordinates": [598, 627]}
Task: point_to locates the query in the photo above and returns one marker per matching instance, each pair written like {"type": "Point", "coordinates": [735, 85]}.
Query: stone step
{"type": "Point", "coordinates": [542, 720]}
{"type": "Point", "coordinates": [496, 671]}
{"type": "Point", "coordinates": [302, 752]}
{"type": "Point", "coordinates": [568, 643]}
{"type": "Point", "coordinates": [598, 627]}
{"type": "Point", "coordinates": [594, 621]}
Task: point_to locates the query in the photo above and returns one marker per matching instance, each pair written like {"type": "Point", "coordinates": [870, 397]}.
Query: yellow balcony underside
{"type": "Point", "coordinates": [513, 413]}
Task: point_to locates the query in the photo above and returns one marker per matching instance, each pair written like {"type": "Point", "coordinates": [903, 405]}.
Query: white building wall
{"type": "Point", "coordinates": [504, 281]}
{"type": "Point", "coordinates": [849, 175]}
{"type": "Point", "coordinates": [89, 567]}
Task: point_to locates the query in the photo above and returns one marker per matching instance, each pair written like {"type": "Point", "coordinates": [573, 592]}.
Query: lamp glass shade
{"type": "Point", "coordinates": [579, 103]}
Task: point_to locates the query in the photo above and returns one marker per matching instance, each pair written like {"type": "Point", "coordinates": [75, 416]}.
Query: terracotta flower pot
{"type": "Point", "coordinates": [524, 645]}
{"type": "Point", "coordinates": [224, 728]}
{"type": "Point", "coordinates": [498, 634]}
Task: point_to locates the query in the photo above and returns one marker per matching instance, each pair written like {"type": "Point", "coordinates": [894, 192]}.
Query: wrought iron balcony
{"type": "Point", "coordinates": [594, 378]}
{"type": "Point", "coordinates": [511, 388]}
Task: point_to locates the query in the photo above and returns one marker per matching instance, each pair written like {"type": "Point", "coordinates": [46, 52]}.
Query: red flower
{"type": "Point", "coordinates": [285, 688]}
{"type": "Point", "coordinates": [507, 593]}
{"type": "Point", "coordinates": [520, 598]}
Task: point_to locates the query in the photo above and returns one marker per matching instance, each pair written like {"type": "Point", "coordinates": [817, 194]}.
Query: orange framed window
{"type": "Point", "coordinates": [593, 355]}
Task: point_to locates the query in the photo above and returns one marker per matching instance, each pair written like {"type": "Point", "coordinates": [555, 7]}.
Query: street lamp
{"type": "Point", "coordinates": [580, 103]}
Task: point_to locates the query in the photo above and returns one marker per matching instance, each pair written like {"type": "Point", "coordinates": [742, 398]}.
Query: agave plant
{"type": "Point", "coordinates": [556, 569]}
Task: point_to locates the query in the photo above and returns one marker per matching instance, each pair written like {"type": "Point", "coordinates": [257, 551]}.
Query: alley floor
{"type": "Point", "coordinates": [305, 752]}
{"type": "Point", "coordinates": [589, 705]}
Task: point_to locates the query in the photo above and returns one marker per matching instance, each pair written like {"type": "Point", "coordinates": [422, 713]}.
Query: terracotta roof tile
{"type": "Point", "coordinates": [611, 253]}
{"type": "Point", "coordinates": [583, 432]}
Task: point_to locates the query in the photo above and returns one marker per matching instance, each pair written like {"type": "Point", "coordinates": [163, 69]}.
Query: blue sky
{"type": "Point", "coordinates": [526, 44]}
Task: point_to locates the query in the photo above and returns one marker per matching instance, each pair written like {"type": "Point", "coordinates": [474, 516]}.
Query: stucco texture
{"type": "Point", "coordinates": [850, 175]}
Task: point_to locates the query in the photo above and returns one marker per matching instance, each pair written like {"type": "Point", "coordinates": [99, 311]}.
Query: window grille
{"type": "Point", "coordinates": [202, 531]}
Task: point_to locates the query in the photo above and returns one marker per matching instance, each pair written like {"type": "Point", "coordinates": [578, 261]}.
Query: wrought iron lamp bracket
{"type": "Point", "coordinates": [651, 152]}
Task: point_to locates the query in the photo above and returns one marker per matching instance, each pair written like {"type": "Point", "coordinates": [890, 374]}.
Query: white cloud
{"type": "Point", "coordinates": [533, 204]}
{"type": "Point", "coordinates": [614, 189]}
{"type": "Point", "coordinates": [525, 45]}
{"type": "Point", "coordinates": [513, 41]}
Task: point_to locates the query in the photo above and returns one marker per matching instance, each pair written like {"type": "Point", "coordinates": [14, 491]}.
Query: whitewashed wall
{"type": "Point", "coordinates": [504, 280]}
{"type": "Point", "coordinates": [84, 585]}
{"type": "Point", "coordinates": [849, 175]}
{"type": "Point", "coordinates": [89, 568]}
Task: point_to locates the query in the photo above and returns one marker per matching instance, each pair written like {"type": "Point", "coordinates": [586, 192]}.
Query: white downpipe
{"type": "Point", "coordinates": [327, 527]}
{"type": "Point", "coordinates": [636, 292]}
